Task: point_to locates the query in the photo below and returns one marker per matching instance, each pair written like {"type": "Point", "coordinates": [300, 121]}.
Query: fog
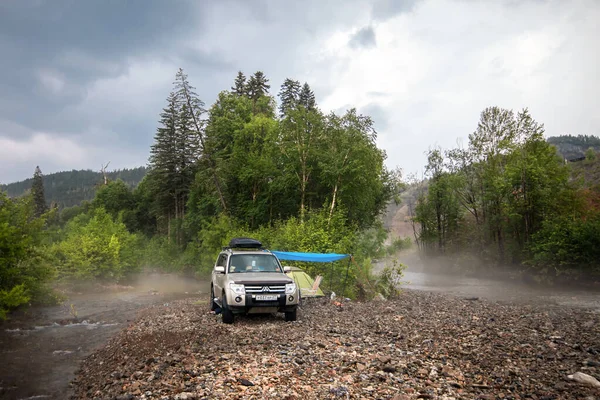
{"type": "Point", "coordinates": [468, 277]}
{"type": "Point", "coordinates": [169, 283]}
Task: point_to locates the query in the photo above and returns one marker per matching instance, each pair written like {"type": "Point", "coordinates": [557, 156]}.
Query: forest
{"type": "Point", "coordinates": [508, 199]}
{"type": "Point", "coordinates": [253, 164]}
{"type": "Point", "coordinates": [573, 147]}
{"type": "Point", "coordinates": [279, 169]}
{"type": "Point", "coordinates": [71, 188]}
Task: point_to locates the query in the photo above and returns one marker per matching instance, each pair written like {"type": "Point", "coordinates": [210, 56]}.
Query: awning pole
{"type": "Point", "coordinates": [346, 280]}
{"type": "Point", "coordinates": [331, 277]}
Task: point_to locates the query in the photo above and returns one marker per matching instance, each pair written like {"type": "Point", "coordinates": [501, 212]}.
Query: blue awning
{"type": "Point", "coordinates": [309, 257]}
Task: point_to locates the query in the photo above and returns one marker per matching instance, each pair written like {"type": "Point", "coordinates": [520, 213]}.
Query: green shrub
{"type": "Point", "coordinates": [10, 299]}
{"type": "Point", "coordinates": [390, 279]}
{"type": "Point", "coordinates": [24, 268]}
{"type": "Point", "coordinates": [399, 244]}
{"type": "Point", "coordinates": [96, 246]}
{"type": "Point", "coordinates": [565, 244]}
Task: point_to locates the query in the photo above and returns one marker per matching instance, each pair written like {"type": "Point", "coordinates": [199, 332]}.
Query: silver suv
{"type": "Point", "coordinates": [249, 279]}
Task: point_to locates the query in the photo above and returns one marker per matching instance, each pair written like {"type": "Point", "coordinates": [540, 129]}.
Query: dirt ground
{"type": "Point", "coordinates": [422, 345]}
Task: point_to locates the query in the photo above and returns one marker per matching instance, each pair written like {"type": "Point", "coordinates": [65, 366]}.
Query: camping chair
{"type": "Point", "coordinates": [315, 286]}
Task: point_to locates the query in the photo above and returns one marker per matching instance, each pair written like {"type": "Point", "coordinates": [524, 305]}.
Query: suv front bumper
{"type": "Point", "coordinates": [244, 303]}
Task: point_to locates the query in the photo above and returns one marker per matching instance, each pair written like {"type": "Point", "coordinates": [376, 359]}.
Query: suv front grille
{"type": "Point", "coordinates": [265, 289]}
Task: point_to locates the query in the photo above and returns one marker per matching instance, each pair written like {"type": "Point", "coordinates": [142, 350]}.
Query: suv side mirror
{"type": "Point", "coordinates": [219, 269]}
{"type": "Point", "coordinates": [287, 269]}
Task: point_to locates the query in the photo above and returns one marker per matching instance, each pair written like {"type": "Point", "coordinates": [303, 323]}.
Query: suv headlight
{"type": "Point", "coordinates": [290, 288]}
{"type": "Point", "coordinates": [237, 288]}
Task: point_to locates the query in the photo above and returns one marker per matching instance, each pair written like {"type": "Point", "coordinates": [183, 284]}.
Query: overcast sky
{"type": "Point", "coordinates": [82, 82]}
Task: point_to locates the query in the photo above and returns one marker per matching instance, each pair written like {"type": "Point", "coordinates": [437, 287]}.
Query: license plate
{"type": "Point", "coordinates": [266, 297]}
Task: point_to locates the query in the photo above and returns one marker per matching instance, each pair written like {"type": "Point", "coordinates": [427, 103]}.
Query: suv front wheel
{"type": "Point", "coordinates": [227, 313]}
{"type": "Point", "coordinates": [213, 305]}
{"type": "Point", "coordinates": [290, 315]}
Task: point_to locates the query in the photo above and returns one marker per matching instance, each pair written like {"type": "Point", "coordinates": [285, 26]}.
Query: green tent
{"type": "Point", "coordinates": [309, 287]}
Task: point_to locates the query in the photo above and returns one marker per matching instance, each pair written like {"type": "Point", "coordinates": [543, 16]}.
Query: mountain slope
{"type": "Point", "coordinates": [69, 188]}
{"type": "Point", "coordinates": [573, 147]}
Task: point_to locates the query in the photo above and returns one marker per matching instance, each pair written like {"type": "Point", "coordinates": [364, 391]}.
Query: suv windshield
{"type": "Point", "coordinates": [253, 263]}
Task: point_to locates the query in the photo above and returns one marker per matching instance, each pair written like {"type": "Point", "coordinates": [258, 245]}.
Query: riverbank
{"type": "Point", "coordinates": [42, 347]}
{"type": "Point", "coordinates": [423, 345]}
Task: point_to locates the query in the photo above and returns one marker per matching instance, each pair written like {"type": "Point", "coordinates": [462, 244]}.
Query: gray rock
{"type": "Point", "coordinates": [584, 379]}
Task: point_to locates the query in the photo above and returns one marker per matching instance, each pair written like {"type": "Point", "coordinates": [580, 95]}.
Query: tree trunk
{"type": "Point", "coordinates": [439, 230]}
{"type": "Point", "coordinates": [302, 197]}
{"type": "Point", "coordinates": [176, 220]}
{"type": "Point", "coordinates": [333, 200]}
{"type": "Point", "coordinates": [500, 244]}
{"type": "Point", "coordinates": [103, 169]}
{"type": "Point", "coordinates": [303, 183]}
{"type": "Point", "coordinates": [211, 162]}
{"type": "Point", "coordinates": [335, 189]}
{"type": "Point", "coordinates": [169, 227]}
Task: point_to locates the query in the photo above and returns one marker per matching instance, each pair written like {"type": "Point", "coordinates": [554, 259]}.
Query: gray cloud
{"type": "Point", "coordinates": [364, 38]}
{"type": "Point", "coordinates": [378, 114]}
{"type": "Point", "coordinates": [386, 9]}
{"type": "Point", "coordinates": [83, 82]}
{"type": "Point", "coordinates": [52, 51]}
{"type": "Point", "coordinates": [97, 73]}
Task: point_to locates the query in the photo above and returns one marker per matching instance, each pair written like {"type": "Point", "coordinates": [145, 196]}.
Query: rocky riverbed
{"type": "Point", "coordinates": [420, 346]}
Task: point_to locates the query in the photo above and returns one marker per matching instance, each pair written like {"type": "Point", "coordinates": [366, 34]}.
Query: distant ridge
{"type": "Point", "coordinates": [70, 188]}
{"type": "Point", "coordinates": [573, 148]}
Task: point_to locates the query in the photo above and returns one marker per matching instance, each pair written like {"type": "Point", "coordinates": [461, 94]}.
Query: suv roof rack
{"type": "Point", "coordinates": [244, 243]}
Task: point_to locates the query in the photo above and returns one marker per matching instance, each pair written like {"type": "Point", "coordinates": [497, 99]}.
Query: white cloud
{"type": "Point", "coordinates": [53, 153]}
{"type": "Point", "coordinates": [446, 61]}
{"type": "Point", "coordinates": [141, 90]}
{"type": "Point", "coordinates": [41, 146]}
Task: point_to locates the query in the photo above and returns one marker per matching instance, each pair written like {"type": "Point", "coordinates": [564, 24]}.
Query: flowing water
{"type": "Point", "coordinates": [40, 350]}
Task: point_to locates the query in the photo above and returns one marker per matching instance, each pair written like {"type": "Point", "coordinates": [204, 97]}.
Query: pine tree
{"type": "Point", "coordinates": [187, 155]}
{"type": "Point", "coordinates": [289, 96]}
{"type": "Point", "coordinates": [188, 96]}
{"type": "Point", "coordinates": [307, 98]}
{"type": "Point", "coordinates": [239, 86]}
{"type": "Point", "coordinates": [163, 160]}
{"type": "Point", "coordinates": [258, 86]}
{"type": "Point", "coordinates": [37, 191]}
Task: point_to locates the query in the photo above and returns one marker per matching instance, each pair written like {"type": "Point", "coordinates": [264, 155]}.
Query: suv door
{"type": "Point", "coordinates": [218, 279]}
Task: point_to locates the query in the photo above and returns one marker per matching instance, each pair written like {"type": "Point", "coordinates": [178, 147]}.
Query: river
{"type": "Point", "coordinates": [41, 349]}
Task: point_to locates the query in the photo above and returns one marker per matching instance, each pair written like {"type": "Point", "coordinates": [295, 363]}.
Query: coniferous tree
{"type": "Point", "coordinates": [188, 96]}
{"type": "Point", "coordinates": [258, 86]}
{"type": "Point", "coordinates": [239, 86]}
{"type": "Point", "coordinates": [187, 155]}
{"type": "Point", "coordinates": [289, 96]}
{"type": "Point", "coordinates": [163, 161]}
{"type": "Point", "coordinates": [37, 190]}
{"type": "Point", "coordinates": [307, 98]}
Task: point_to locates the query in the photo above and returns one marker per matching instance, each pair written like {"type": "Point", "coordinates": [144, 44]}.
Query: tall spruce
{"type": "Point", "coordinates": [307, 98]}
{"type": "Point", "coordinates": [37, 191]}
{"type": "Point", "coordinates": [258, 86]}
{"type": "Point", "coordinates": [188, 153]}
{"type": "Point", "coordinates": [239, 85]}
{"type": "Point", "coordinates": [188, 96]}
{"type": "Point", "coordinates": [163, 163]}
{"type": "Point", "coordinates": [289, 96]}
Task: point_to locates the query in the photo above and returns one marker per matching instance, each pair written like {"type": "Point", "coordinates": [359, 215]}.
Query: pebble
{"type": "Point", "coordinates": [182, 352]}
